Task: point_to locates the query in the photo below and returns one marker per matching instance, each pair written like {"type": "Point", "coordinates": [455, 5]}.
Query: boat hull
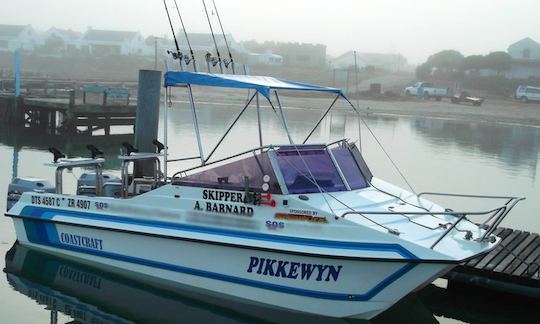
{"type": "Point", "coordinates": [315, 284]}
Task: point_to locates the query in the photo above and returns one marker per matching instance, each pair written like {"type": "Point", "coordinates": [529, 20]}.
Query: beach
{"type": "Point", "coordinates": [492, 110]}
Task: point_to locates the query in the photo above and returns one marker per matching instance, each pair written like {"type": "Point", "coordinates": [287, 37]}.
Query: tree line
{"type": "Point", "coordinates": [452, 64]}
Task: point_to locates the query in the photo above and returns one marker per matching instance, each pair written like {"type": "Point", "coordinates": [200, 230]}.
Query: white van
{"type": "Point", "coordinates": [527, 93]}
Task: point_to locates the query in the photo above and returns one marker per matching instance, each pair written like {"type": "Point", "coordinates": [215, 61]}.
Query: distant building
{"type": "Point", "coordinates": [525, 49]}
{"type": "Point", "coordinates": [267, 58]}
{"type": "Point", "coordinates": [346, 60]}
{"type": "Point", "coordinates": [59, 41]}
{"type": "Point", "coordinates": [302, 54]}
{"type": "Point", "coordinates": [390, 62]}
{"type": "Point", "coordinates": [525, 59]}
{"type": "Point", "coordinates": [111, 42]}
{"type": "Point", "coordinates": [202, 43]}
{"type": "Point", "coordinates": [293, 54]}
{"type": "Point", "coordinates": [68, 36]}
{"type": "Point", "coordinates": [13, 37]}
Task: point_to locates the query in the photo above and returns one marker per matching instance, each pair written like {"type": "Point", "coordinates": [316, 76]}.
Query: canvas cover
{"type": "Point", "coordinates": [262, 84]}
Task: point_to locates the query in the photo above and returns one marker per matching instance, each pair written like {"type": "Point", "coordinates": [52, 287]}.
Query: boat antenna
{"type": "Point", "coordinates": [226, 43]}
{"type": "Point", "coordinates": [186, 58]}
{"type": "Point", "coordinates": [213, 37]}
{"type": "Point", "coordinates": [178, 54]}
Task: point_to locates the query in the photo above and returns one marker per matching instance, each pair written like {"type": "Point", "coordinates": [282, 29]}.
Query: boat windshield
{"type": "Point", "coordinates": [232, 176]}
{"type": "Point", "coordinates": [306, 167]}
{"type": "Point", "coordinates": [349, 167]}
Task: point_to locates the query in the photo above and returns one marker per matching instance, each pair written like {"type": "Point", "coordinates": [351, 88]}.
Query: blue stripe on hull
{"type": "Point", "coordinates": [46, 213]}
{"type": "Point", "coordinates": [45, 233]}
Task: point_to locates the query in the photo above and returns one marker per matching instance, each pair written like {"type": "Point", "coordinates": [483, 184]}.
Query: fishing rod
{"type": "Point", "coordinates": [187, 39]}
{"type": "Point", "coordinates": [225, 38]}
{"type": "Point", "coordinates": [178, 54]}
{"type": "Point", "coordinates": [213, 37]}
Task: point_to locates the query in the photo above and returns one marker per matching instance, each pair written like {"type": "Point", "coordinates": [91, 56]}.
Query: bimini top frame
{"type": "Point", "coordinates": [266, 86]}
{"type": "Point", "coordinates": [262, 84]}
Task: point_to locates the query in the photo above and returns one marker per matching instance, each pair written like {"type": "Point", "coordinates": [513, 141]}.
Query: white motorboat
{"type": "Point", "coordinates": [301, 227]}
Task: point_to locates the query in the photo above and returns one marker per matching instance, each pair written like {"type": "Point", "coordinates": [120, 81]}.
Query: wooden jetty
{"type": "Point", "coordinates": [72, 114]}
{"type": "Point", "coordinates": [513, 266]}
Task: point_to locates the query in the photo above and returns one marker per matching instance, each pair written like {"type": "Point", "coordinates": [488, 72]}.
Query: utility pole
{"type": "Point", "coordinates": [17, 69]}
{"type": "Point", "coordinates": [356, 77]}
{"type": "Point", "coordinates": [155, 52]}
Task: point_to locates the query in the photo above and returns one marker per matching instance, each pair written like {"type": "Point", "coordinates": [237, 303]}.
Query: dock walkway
{"type": "Point", "coordinates": [73, 113]}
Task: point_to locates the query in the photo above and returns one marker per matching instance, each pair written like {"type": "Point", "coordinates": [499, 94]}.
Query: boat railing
{"type": "Point", "coordinates": [69, 164]}
{"type": "Point", "coordinates": [493, 221]}
{"type": "Point", "coordinates": [136, 157]}
{"type": "Point", "coordinates": [494, 216]}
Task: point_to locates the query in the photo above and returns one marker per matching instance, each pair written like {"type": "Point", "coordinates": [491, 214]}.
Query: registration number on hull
{"type": "Point", "coordinates": [61, 202]}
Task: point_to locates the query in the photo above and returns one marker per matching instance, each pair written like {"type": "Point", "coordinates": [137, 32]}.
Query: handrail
{"type": "Point", "coordinates": [426, 193]}
{"type": "Point", "coordinates": [497, 217]}
{"type": "Point", "coordinates": [496, 223]}
{"type": "Point", "coordinates": [453, 213]}
{"type": "Point", "coordinates": [497, 214]}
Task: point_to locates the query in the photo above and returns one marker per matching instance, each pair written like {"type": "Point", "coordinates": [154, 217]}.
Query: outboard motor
{"type": "Point", "coordinates": [86, 184]}
{"type": "Point", "coordinates": [20, 185]}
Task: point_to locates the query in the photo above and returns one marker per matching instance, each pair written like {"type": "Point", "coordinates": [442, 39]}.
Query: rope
{"type": "Point", "coordinates": [380, 145]}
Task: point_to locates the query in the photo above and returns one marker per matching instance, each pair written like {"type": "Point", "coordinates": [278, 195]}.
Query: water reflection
{"type": "Point", "coordinates": [70, 144]}
{"type": "Point", "coordinates": [474, 305]}
{"type": "Point", "coordinates": [514, 145]}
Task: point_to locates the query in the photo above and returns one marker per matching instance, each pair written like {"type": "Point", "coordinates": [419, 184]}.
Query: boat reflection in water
{"type": "Point", "coordinates": [97, 295]}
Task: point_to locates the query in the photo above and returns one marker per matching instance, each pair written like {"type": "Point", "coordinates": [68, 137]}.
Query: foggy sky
{"type": "Point", "coordinates": [414, 28]}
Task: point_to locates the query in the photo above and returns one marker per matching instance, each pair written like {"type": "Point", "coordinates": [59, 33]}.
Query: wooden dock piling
{"type": "Point", "coordinates": [146, 127]}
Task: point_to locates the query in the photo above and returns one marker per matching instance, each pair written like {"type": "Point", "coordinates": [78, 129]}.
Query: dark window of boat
{"type": "Point", "coordinates": [231, 176]}
{"type": "Point", "coordinates": [360, 162]}
{"type": "Point", "coordinates": [349, 167]}
{"type": "Point", "coordinates": [304, 168]}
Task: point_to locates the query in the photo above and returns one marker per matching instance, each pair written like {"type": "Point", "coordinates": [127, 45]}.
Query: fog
{"type": "Point", "coordinates": [414, 28]}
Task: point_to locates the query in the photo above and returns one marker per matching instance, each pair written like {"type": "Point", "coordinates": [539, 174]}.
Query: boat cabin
{"type": "Point", "coordinates": [288, 169]}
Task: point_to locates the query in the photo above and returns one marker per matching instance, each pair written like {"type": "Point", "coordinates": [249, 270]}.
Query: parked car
{"type": "Point", "coordinates": [527, 93]}
{"type": "Point", "coordinates": [426, 90]}
{"type": "Point", "coordinates": [466, 97]}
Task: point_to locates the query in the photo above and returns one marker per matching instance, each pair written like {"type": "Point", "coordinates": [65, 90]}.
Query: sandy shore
{"type": "Point", "coordinates": [494, 110]}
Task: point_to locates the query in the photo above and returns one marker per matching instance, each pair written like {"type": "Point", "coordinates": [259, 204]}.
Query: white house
{"type": "Point", "coordinates": [111, 42]}
{"type": "Point", "coordinates": [13, 37]}
{"type": "Point", "coordinates": [525, 49]}
{"type": "Point", "coordinates": [69, 37]}
{"type": "Point", "coordinates": [525, 59]}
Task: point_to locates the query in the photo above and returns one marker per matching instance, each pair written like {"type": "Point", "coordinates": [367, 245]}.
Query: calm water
{"type": "Point", "coordinates": [434, 154]}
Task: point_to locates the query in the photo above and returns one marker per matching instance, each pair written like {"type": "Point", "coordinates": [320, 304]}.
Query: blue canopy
{"type": "Point", "coordinates": [262, 84]}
